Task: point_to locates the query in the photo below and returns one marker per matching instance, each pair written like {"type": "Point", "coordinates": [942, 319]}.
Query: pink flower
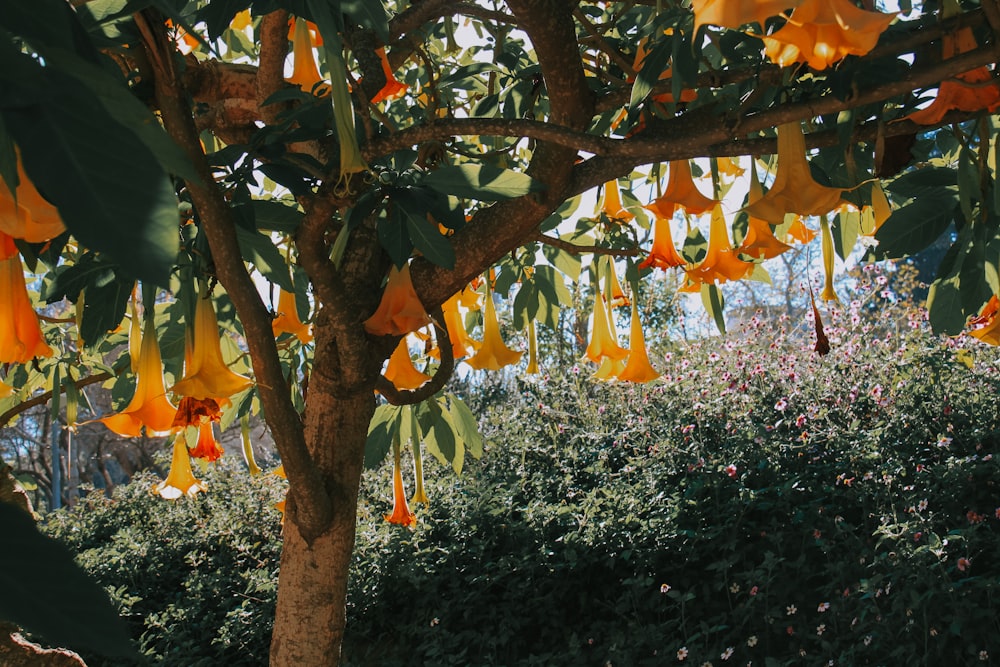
{"type": "Point", "coordinates": [753, 591]}
{"type": "Point", "coordinates": [731, 470]}
{"type": "Point", "coordinates": [964, 564]}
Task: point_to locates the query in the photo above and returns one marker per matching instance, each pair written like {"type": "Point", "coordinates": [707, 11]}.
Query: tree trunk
{"type": "Point", "coordinates": [312, 583]}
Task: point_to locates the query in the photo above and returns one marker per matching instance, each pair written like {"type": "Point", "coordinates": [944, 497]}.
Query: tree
{"type": "Point", "coordinates": [209, 175]}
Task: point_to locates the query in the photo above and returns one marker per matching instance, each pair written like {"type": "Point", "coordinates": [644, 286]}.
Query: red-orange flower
{"type": "Point", "coordinates": [31, 217]}
{"type": "Point", "coordinates": [196, 411]}
{"type": "Point", "coordinates": [401, 513]}
{"type": "Point", "coordinates": [680, 193]}
{"type": "Point", "coordinates": [663, 254]}
{"type": "Point", "coordinates": [823, 32]}
{"type": "Point", "coordinates": [208, 447]}
{"type": "Point", "coordinates": [400, 311]}
{"type": "Point", "coordinates": [305, 73]}
{"type": "Point", "coordinates": [986, 327]}
{"type": "Point", "coordinates": [392, 89]}
{"type": "Point", "coordinates": [638, 368]}
{"type": "Point", "coordinates": [21, 338]}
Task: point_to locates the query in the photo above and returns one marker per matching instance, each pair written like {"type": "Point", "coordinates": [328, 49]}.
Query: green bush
{"type": "Point", "coordinates": [760, 503]}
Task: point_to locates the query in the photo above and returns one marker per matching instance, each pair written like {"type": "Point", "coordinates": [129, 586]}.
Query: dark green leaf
{"type": "Point", "coordinates": [368, 14]}
{"type": "Point", "coordinates": [653, 66]}
{"type": "Point", "coordinates": [466, 425]}
{"type": "Point", "coordinates": [381, 431]}
{"type": "Point", "coordinates": [47, 22]}
{"type": "Point", "coordinates": [915, 226]}
{"type": "Point", "coordinates": [104, 305]}
{"type": "Point", "coordinates": [482, 182]}
{"type": "Point", "coordinates": [109, 188]}
{"type": "Point", "coordinates": [259, 250]}
{"type": "Point", "coordinates": [8, 160]}
{"type": "Point", "coordinates": [395, 237]}
{"type": "Point", "coordinates": [270, 215]}
{"type": "Point", "coordinates": [914, 183]}
{"type": "Point", "coordinates": [715, 304]}
{"type": "Point", "coordinates": [296, 180]}
{"type": "Point", "coordinates": [46, 592]}
{"type": "Point", "coordinates": [426, 236]}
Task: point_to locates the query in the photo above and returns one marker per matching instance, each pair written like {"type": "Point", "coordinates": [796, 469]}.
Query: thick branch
{"type": "Point", "coordinates": [419, 14]}
{"type": "Point", "coordinates": [271, 64]}
{"type": "Point", "coordinates": [45, 397]}
{"type": "Point", "coordinates": [436, 383]}
{"type": "Point", "coordinates": [575, 249]}
{"type": "Point", "coordinates": [220, 230]}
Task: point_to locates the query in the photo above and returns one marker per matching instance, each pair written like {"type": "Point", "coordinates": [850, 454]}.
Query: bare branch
{"type": "Point", "coordinates": [575, 249]}
{"type": "Point", "coordinates": [46, 396]}
{"type": "Point", "coordinates": [436, 383]}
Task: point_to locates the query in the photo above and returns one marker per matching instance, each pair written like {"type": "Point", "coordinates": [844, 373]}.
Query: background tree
{"type": "Point", "coordinates": [376, 201]}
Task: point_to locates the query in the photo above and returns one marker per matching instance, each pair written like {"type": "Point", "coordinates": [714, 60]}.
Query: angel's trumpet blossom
{"type": "Point", "coordinates": [400, 311]}
{"type": "Point", "coordinates": [736, 13]}
{"type": "Point", "coordinates": [206, 374]}
{"type": "Point", "coordinates": [180, 480]}
{"type": "Point", "coordinates": [721, 263]}
{"type": "Point", "coordinates": [826, 243]}
{"type": "Point", "coordinates": [760, 241]}
{"type": "Point", "coordinates": [794, 190]}
{"type": "Point", "coordinates": [603, 343]}
{"type": "Point", "coordinates": [393, 89]}
{"type": "Point", "coordinates": [532, 368]}
{"type": "Point", "coordinates": [401, 372]}
{"type": "Point", "coordinates": [401, 514]}
{"type": "Point", "coordinates": [149, 408]}
{"type": "Point", "coordinates": [288, 320]}
{"type": "Point", "coordinates": [462, 344]}
{"type": "Point", "coordinates": [663, 254]}
{"type": "Point", "coordinates": [612, 206]}
{"type": "Point", "coordinates": [208, 447]}
{"type": "Point", "coordinates": [680, 193]}
{"type": "Point", "coordinates": [638, 368]}
{"type": "Point", "coordinates": [986, 327]}
{"type": "Point", "coordinates": [21, 338]}
{"type": "Point", "coordinates": [31, 217]}
{"type": "Point", "coordinates": [492, 354]}
{"type": "Point", "coordinates": [823, 32]}
{"type": "Point", "coordinates": [305, 73]}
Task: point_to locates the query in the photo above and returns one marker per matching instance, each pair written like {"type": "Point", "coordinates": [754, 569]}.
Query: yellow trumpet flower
{"type": "Point", "coordinates": [419, 495]}
{"type": "Point", "coordinates": [609, 369]}
{"type": "Point", "coordinates": [31, 217]}
{"type": "Point", "coordinates": [826, 243]}
{"type": "Point", "coordinates": [206, 374]}
{"type": "Point", "coordinates": [305, 73]}
{"type": "Point", "coordinates": [400, 311]}
{"type": "Point", "coordinates": [462, 344]}
{"type": "Point", "coordinates": [493, 354]}
{"type": "Point", "coordinates": [603, 343]}
{"type": "Point", "coordinates": [735, 13]}
{"type": "Point", "coordinates": [288, 320]}
{"type": "Point", "coordinates": [393, 89]}
{"type": "Point", "coordinates": [241, 20]}
{"type": "Point", "coordinates": [721, 263]}
{"type": "Point", "coordinates": [680, 192]}
{"type": "Point", "coordinates": [618, 296]}
{"type": "Point", "coordinates": [149, 408]}
{"type": "Point", "coordinates": [180, 480]}
{"type": "Point", "coordinates": [532, 368]}
{"type": "Point", "coordinates": [612, 205]}
{"type": "Point", "coordinates": [794, 190]}
{"type": "Point", "coordinates": [638, 368]}
{"type": "Point", "coordinates": [823, 32]}
{"type": "Point", "coordinates": [401, 372]}
{"type": "Point", "coordinates": [21, 338]}
{"type": "Point", "coordinates": [663, 254]}
{"type": "Point", "coordinates": [760, 241]}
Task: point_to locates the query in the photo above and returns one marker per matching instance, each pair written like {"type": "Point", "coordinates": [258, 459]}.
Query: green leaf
{"type": "Point", "coordinates": [270, 215]}
{"type": "Point", "coordinates": [914, 183]}
{"type": "Point", "coordinates": [8, 160]}
{"type": "Point", "coordinates": [104, 306]}
{"type": "Point", "coordinates": [481, 181]}
{"type": "Point", "coordinates": [218, 14]}
{"type": "Point", "coordinates": [369, 14]}
{"type": "Point", "coordinates": [425, 235]}
{"type": "Point", "coordinates": [436, 433]}
{"type": "Point", "coordinates": [915, 226]}
{"type": "Point", "coordinates": [381, 430]}
{"type": "Point", "coordinates": [653, 66]}
{"type": "Point", "coordinates": [46, 592]}
{"type": "Point", "coordinates": [394, 236]}
{"type": "Point", "coordinates": [259, 250]}
{"type": "Point", "coordinates": [711, 297]}
{"type": "Point", "coordinates": [466, 425]}
{"type": "Point", "coordinates": [110, 190]}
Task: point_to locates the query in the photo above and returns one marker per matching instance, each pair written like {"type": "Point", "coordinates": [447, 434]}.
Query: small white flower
{"type": "Point", "coordinates": [727, 654]}
{"type": "Point", "coordinates": [984, 656]}
{"type": "Point", "coordinates": [820, 629]}
{"type": "Point", "coordinates": [823, 606]}
{"type": "Point", "coordinates": [868, 640]}
{"type": "Point", "coordinates": [682, 653]}
{"type": "Point", "coordinates": [922, 505]}
{"type": "Point", "coordinates": [790, 610]}
{"type": "Point", "coordinates": [752, 641]}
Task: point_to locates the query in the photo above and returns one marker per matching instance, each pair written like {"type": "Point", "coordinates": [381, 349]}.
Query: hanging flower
{"type": "Point", "coordinates": [493, 354]}
{"type": "Point", "coordinates": [288, 320]}
{"type": "Point", "coordinates": [241, 21]}
{"type": "Point", "coordinates": [400, 311]}
{"type": "Point", "coordinates": [419, 495]}
{"type": "Point", "coordinates": [609, 369]}
{"type": "Point", "coordinates": [180, 480]}
{"type": "Point", "coordinates": [729, 167]}
{"type": "Point", "coordinates": [401, 372]}
{"type": "Point", "coordinates": [638, 368]}
{"type": "Point", "coordinates": [612, 206]}
{"type": "Point", "coordinates": [206, 375]}
{"type": "Point", "coordinates": [736, 13]}
{"type": "Point", "coordinates": [759, 242]}
{"type": "Point", "coordinates": [196, 411]}
{"type": "Point", "coordinates": [618, 296]}
{"type": "Point", "coordinates": [393, 89]}
{"type": "Point", "coordinates": [305, 73]}
{"type": "Point", "coordinates": [462, 344]}
{"type": "Point", "coordinates": [794, 190]}
{"type": "Point", "coordinates": [149, 408]}
{"type": "Point", "coordinates": [603, 343]}
{"type": "Point", "coordinates": [721, 263]}
{"type": "Point", "coordinates": [208, 447]}
{"type": "Point", "coordinates": [823, 32]}
{"type": "Point", "coordinates": [31, 217]}
{"type": "Point", "coordinates": [826, 243]}
{"type": "Point", "coordinates": [986, 327]}
{"type": "Point", "coordinates": [401, 513]}
{"type": "Point", "coordinates": [680, 193]}
{"type": "Point", "coordinates": [21, 338]}
{"type": "Point", "coordinates": [663, 254]}
{"type": "Point", "coordinates": [798, 231]}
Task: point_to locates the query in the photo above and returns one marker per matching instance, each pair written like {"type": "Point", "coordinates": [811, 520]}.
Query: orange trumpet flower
{"type": "Point", "coordinates": [462, 344]}
{"type": "Point", "coordinates": [149, 408]}
{"type": "Point", "coordinates": [305, 73]}
{"type": "Point", "coordinates": [603, 343]}
{"type": "Point", "coordinates": [206, 374]}
{"type": "Point", "coordinates": [680, 193]}
{"type": "Point", "coordinates": [401, 372]}
{"type": "Point", "coordinates": [638, 368]}
{"type": "Point", "coordinates": [21, 338]}
{"type": "Point", "coordinates": [794, 190]}
{"type": "Point", "coordinates": [400, 311]}
{"type": "Point", "coordinates": [736, 13]}
{"type": "Point", "coordinates": [823, 32]}
{"type": "Point", "coordinates": [612, 205]}
{"type": "Point", "coordinates": [663, 254]}
{"type": "Point", "coordinates": [401, 513]}
{"type": "Point", "coordinates": [393, 89]}
{"type": "Point", "coordinates": [31, 217]}
{"type": "Point", "coordinates": [493, 354]}
{"type": "Point", "coordinates": [759, 242]}
{"type": "Point", "coordinates": [241, 20]}
{"type": "Point", "coordinates": [987, 324]}
{"type": "Point", "coordinates": [180, 480]}
{"type": "Point", "coordinates": [721, 263]}
{"type": "Point", "coordinates": [532, 368]}
{"type": "Point", "coordinates": [288, 320]}
{"type": "Point", "coordinates": [208, 447]}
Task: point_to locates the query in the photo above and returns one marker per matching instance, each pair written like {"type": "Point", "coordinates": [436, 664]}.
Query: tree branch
{"type": "Point", "coordinates": [441, 376]}
{"type": "Point", "coordinates": [220, 230]}
{"type": "Point", "coordinates": [46, 396]}
{"type": "Point", "coordinates": [271, 64]}
{"type": "Point", "coordinates": [575, 249]}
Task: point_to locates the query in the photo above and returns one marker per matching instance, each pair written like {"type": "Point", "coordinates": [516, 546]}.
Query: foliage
{"type": "Point", "coordinates": [796, 508]}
